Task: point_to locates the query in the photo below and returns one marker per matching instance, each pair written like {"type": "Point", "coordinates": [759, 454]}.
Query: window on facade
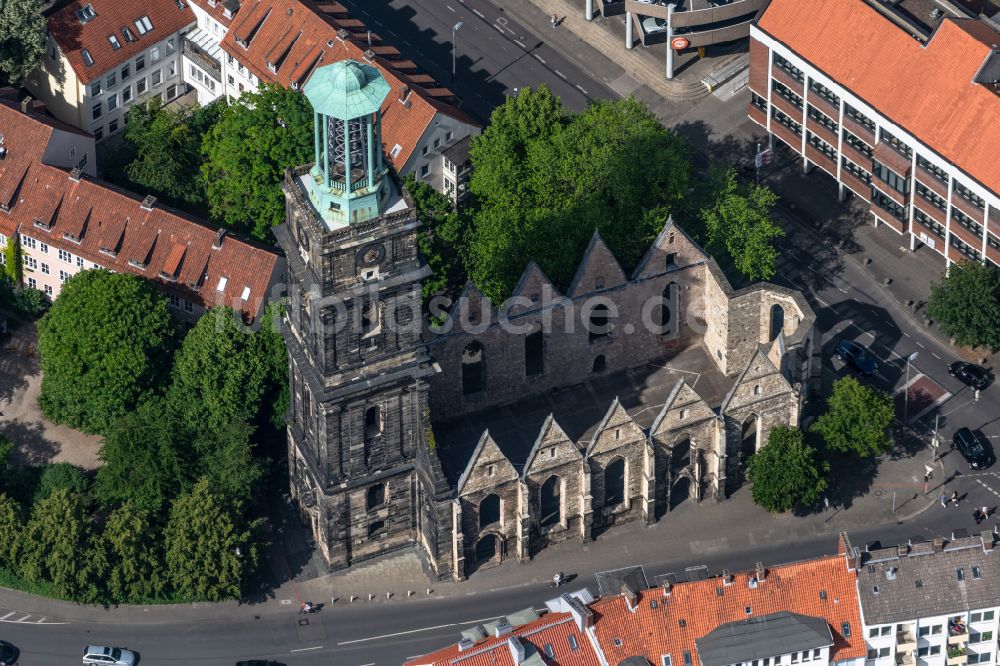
{"type": "Point", "coordinates": [896, 143]}
{"type": "Point", "coordinates": [63, 276]}
{"type": "Point", "coordinates": [758, 101]}
{"type": "Point", "coordinates": [48, 290]}
{"type": "Point", "coordinates": [98, 133]}
{"type": "Point", "coordinates": [473, 372]}
{"type": "Point", "coordinates": [32, 283]}
{"type": "Point", "coordinates": [113, 126]}
{"type": "Point", "coordinates": [96, 110]}
{"type": "Point", "coordinates": [969, 196]}
{"type": "Point", "coordinates": [784, 64]}
{"type": "Point", "coordinates": [969, 252]}
{"type": "Point", "coordinates": [28, 242]}
{"type": "Point", "coordinates": [45, 269]}
{"type": "Point", "coordinates": [375, 496]}
{"type": "Point", "coordinates": [43, 248]}
{"type": "Point", "coordinates": [112, 103]}
{"type": "Point", "coordinates": [534, 360]}
{"type": "Point", "coordinates": [859, 118]}
{"type": "Point", "coordinates": [31, 263]}
{"type": "Point", "coordinates": [489, 510]}
{"type": "Point", "coordinates": [140, 87]}
{"type": "Point", "coordinates": [65, 256]}
{"type": "Point", "coordinates": [824, 92]}
{"type": "Point", "coordinates": [373, 422]}
{"type": "Point", "coordinates": [857, 144]}
{"type": "Point", "coordinates": [856, 171]}
{"type": "Point", "coordinates": [126, 94]}
{"type": "Point", "coordinates": [376, 527]}
{"type": "Point", "coordinates": [614, 483]}
{"type": "Point", "coordinates": [600, 322]}
{"type": "Point", "coordinates": [967, 222]}
{"type": "Point", "coordinates": [899, 183]}
{"type": "Point", "coordinates": [936, 171]}
{"type": "Point", "coordinates": [156, 77]}
{"type": "Point", "coordinates": [885, 203]}
{"type": "Point", "coordinates": [787, 93]}
{"type": "Point", "coordinates": [821, 145]}
{"type": "Point", "coordinates": [154, 54]}
{"type": "Point", "coordinates": [786, 120]}
{"type": "Point", "coordinates": [126, 72]}
{"type": "Point", "coordinates": [171, 46]}
{"type": "Point", "coordinates": [821, 118]}
{"type": "Point", "coordinates": [550, 502]}
{"type": "Point", "coordinates": [111, 81]}
{"type": "Point", "coordinates": [79, 262]}
{"type": "Point", "coordinates": [140, 63]}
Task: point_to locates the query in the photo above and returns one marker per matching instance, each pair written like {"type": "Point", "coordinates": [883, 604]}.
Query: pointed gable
{"type": "Point", "coordinates": [487, 467]}
{"type": "Point", "coordinates": [550, 449]}
{"type": "Point", "coordinates": [531, 290]}
{"type": "Point", "coordinates": [759, 380]}
{"type": "Point", "coordinates": [683, 408]}
{"type": "Point", "coordinates": [472, 307]}
{"type": "Point", "coordinates": [598, 270]}
{"type": "Point", "coordinates": [615, 429]}
{"type": "Point", "coordinates": [671, 250]}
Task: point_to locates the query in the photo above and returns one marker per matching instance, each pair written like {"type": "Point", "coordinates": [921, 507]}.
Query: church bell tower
{"type": "Point", "coordinates": [357, 365]}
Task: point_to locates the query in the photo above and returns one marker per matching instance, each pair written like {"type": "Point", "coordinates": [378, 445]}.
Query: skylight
{"type": "Point", "coordinates": [87, 59]}
{"type": "Point", "coordinates": [86, 14]}
{"type": "Point", "coordinates": [143, 25]}
{"type": "Point", "coordinates": [115, 44]}
{"type": "Point", "coordinates": [222, 284]}
{"type": "Point", "coordinates": [127, 34]}
{"type": "Point", "coordinates": [246, 294]}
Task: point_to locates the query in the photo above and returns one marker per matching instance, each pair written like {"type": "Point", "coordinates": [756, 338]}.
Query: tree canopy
{"type": "Point", "coordinates": [22, 39]}
{"type": "Point", "coordinates": [54, 543]}
{"type": "Point", "coordinates": [104, 345]}
{"type": "Point", "coordinates": [134, 555]}
{"type": "Point", "coordinates": [544, 179]}
{"type": "Point", "coordinates": [857, 419]}
{"type": "Point", "coordinates": [966, 304]}
{"type": "Point", "coordinates": [440, 237]}
{"type": "Point", "coordinates": [786, 472]}
{"type": "Point", "coordinates": [246, 152]}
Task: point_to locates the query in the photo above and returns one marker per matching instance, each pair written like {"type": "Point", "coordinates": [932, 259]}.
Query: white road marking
{"type": "Point", "coordinates": [318, 647]}
{"type": "Point", "coordinates": [539, 58]}
{"type": "Point", "coordinates": [560, 74]}
{"type": "Point", "coordinates": [399, 633]}
{"type": "Point", "coordinates": [907, 334]}
{"type": "Point", "coordinates": [935, 356]}
{"type": "Point", "coordinates": [499, 29]}
{"type": "Point", "coordinates": [917, 342]}
{"type": "Point", "coordinates": [371, 664]}
{"type": "Point", "coordinates": [7, 615]}
{"type": "Point", "coordinates": [40, 620]}
{"type": "Point", "coordinates": [23, 618]}
{"type": "Point", "coordinates": [843, 290]}
{"type": "Point", "coordinates": [520, 44]}
{"type": "Point", "coordinates": [509, 30]}
{"type": "Point", "coordinates": [450, 8]}
{"type": "Point", "coordinates": [478, 13]}
{"type": "Point", "coordinates": [580, 88]}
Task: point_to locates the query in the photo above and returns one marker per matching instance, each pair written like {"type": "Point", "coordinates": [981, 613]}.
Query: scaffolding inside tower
{"type": "Point", "coordinates": [357, 140]}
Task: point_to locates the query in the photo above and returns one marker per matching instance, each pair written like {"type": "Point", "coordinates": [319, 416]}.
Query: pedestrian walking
{"type": "Point", "coordinates": [954, 498]}
{"type": "Point", "coordinates": [978, 515]}
{"type": "Point", "coordinates": [986, 512]}
{"type": "Point", "coordinates": [555, 21]}
{"type": "Point", "coordinates": [826, 503]}
{"type": "Point", "coordinates": [943, 499]}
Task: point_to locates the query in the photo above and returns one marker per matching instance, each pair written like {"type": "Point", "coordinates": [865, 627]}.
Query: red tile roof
{"type": "Point", "coordinates": [652, 632]}
{"type": "Point", "coordinates": [116, 232]}
{"type": "Point", "coordinates": [73, 36]}
{"type": "Point", "coordinates": [928, 90]}
{"type": "Point", "coordinates": [286, 40]}
{"type": "Point", "coordinates": [553, 629]}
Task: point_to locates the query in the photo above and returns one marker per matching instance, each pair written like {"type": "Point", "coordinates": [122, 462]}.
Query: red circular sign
{"type": "Point", "coordinates": [680, 43]}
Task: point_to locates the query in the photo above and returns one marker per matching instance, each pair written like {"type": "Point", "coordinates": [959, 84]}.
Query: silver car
{"type": "Point", "coordinates": [108, 656]}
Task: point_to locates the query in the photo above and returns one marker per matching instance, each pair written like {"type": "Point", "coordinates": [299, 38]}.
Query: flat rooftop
{"type": "Point", "coordinates": [579, 408]}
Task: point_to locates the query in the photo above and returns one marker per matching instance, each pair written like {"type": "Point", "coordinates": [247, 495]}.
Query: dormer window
{"type": "Point", "coordinates": [86, 14]}
{"type": "Point", "coordinates": [108, 251]}
{"type": "Point", "coordinates": [143, 25]}
{"type": "Point", "coordinates": [135, 263]}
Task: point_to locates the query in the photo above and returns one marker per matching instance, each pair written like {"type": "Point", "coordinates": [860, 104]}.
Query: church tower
{"type": "Point", "coordinates": [358, 367]}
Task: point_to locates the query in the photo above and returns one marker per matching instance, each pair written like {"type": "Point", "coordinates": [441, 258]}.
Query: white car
{"type": "Point", "coordinates": [108, 656]}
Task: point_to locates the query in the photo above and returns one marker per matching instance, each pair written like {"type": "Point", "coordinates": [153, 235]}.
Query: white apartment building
{"type": "Point", "coordinates": [898, 104]}
{"type": "Point", "coordinates": [931, 603]}
{"type": "Point", "coordinates": [105, 55]}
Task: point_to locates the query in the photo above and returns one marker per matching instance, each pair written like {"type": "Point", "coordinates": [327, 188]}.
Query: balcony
{"type": "Point", "coordinates": [905, 659]}
{"type": "Point", "coordinates": [957, 655]}
{"type": "Point", "coordinates": [905, 641]}
{"type": "Point", "coordinates": [958, 632]}
{"type": "Point", "coordinates": [200, 57]}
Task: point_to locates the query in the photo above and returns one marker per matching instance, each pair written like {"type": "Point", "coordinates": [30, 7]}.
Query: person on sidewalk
{"type": "Point", "coordinates": [555, 21]}
{"type": "Point", "coordinates": [943, 499]}
{"type": "Point", "coordinates": [978, 515]}
{"type": "Point", "coordinates": [954, 498]}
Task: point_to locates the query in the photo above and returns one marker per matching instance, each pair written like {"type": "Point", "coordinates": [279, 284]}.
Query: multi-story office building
{"type": "Point", "coordinates": [931, 603]}
{"type": "Point", "coordinates": [105, 55]}
{"type": "Point", "coordinates": [66, 222]}
{"type": "Point", "coordinates": [898, 101]}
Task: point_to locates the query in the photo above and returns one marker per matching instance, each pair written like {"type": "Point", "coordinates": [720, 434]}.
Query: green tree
{"type": "Point", "coordinates": [11, 527]}
{"type": "Point", "coordinates": [786, 472]}
{"type": "Point", "coordinates": [146, 460]}
{"type": "Point", "coordinates": [739, 230]}
{"type": "Point", "coordinates": [273, 353]}
{"type": "Point", "coordinates": [13, 260]}
{"type": "Point", "coordinates": [61, 475]}
{"type": "Point", "coordinates": [219, 376]}
{"type": "Point", "coordinates": [22, 39]}
{"type": "Point", "coordinates": [857, 419]}
{"type": "Point", "coordinates": [54, 544]}
{"type": "Point", "coordinates": [966, 304]}
{"type": "Point", "coordinates": [246, 153]}
{"type": "Point", "coordinates": [226, 460]}
{"type": "Point", "coordinates": [167, 152]}
{"type": "Point", "coordinates": [207, 548]}
{"type": "Point", "coordinates": [543, 180]}
{"type": "Point", "coordinates": [135, 556]}
{"type": "Point", "coordinates": [104, 346]}
{"type": "Point", "coordinates": [439, 240]}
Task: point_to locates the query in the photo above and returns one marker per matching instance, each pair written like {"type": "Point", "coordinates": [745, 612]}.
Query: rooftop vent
{"type": "Point", "coordinates": [220, 235]}
{"type": "Point", "coordinates": [631, 598]}
{"type": "Point", "coordinates": [369, 56]}
{"type": "Point", "coordinates": [761, 572]}
{"type": "Point", "coordinates": [148, 202]}
{"type": "Point", "coordinates": [465, 644]}
{"type": "Point", "coordinates": [75, 174]}
{"type": "Point", "coordinates": [890, 573]}
{"type": "Point", "coordinates": [343, 35]}
{"type": "Point", "coordinates": [27, 107]}
{"type": "Point", "coordinates": [727, 578]}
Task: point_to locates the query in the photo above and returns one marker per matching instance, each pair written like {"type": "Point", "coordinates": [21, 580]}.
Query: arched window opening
{"type": "Point", "coordinates": [668, 307]}
{"type": "Point", "coordinates": [550, 502]}
{"type": "Point", "coordinates": [373, 422]}
{"type": "Point", "coordinates": [472, 368]}
{"type": "Point", "coordinates": [600, 364]}
{"type": "Point", "coordinates": [489, 510]}
{"type": "Point", "coordinates": [534, 359]}
{"type": "Point", "coordinates": [600, 323]}
{"type": "Point", "coordinates": [376, 527]}
{"type": "Point", "coordinates": [777, 321]}
{"type": "Point", "coordinates": [375, 497]}
{"type": "Point", "coordinates": [370, 318]}
{"type": "Point", "coordinates": [614, 483]}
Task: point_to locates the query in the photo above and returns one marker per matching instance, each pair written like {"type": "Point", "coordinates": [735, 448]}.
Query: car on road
{"type": "Point", "coordinates": [974, 448]}
{"type": "Point", "coordinates": [8, 654]}
{"type": "Point", "coordinates": [857, 356]}
{"type": "Point", "coordinates": [970, 374]}
{"type": "Point", "coordinates": [97, 655]}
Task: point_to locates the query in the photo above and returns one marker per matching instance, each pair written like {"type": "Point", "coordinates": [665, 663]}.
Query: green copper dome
{"type": "Point", "coordinates": [347, 89]}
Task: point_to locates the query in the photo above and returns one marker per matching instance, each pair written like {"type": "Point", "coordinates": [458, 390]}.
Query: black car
{"type": "Point", "coordinates": [8, 654]}
{"type": "Point", "coordinates": [857, 356]}
{"type": "Point", "coordinates": [970, 374]}
{"type": "Point", "coordinates": [974, 448]}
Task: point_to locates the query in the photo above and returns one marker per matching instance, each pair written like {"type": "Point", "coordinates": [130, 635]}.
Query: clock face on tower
{"type": "Point", "coordinates": [371, 255]}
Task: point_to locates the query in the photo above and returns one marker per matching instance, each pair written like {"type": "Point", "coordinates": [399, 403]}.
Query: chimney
{"type": "Point", "coordinates": [516, 648]}
{"type": "Point", "coordinates": [369, 56]}
{"type": "Point", "coordinates": [582, 615]}
{"type": "Point", "coordinates": [761, 572]}
{"type": "Point", "coordinates": [666, 588]}
{"type": "Point", "coordinates": [343, 35]}
{"type": "Point", "coordinates": [727, 578]}
{"type": "Point", "coordinates": [847, 550]}
{"type": "Point", "coordinates": [987, 539]}
{"type": "Point", "coordinates": [219, 236]}
{"type": "Point", "coordinates": [404, 96]}
{"type": "Point", "coordinates": [27, 108]}
{"type": "Point", "coordinates": [75, 174]}
{"type": "Point", "coordinates": [502, 627]}
{"type": "Point", "coordinates": [465, 644]}
{"type": "Point", "coordinates": [148, 202]}
{"type": "Point", "coordinates": [902, 550]}
{"type": "Point", "coordinates": [631, 598]}
{"type": "Point", "coordinates": [938, 544]}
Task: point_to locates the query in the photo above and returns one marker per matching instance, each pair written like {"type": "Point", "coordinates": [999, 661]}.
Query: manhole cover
{"type": "Point", "coordinates": [303, 622]}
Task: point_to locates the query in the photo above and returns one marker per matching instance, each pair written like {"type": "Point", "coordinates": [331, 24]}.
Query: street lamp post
{"type": "Point", "coordinates": [455, 28]}
{"type": "Point", "coordinates": [906, 389]}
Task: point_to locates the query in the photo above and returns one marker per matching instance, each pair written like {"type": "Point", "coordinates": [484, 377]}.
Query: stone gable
{"type": "Point", "coordinates": [672, 249]}
{"type": "Point", "coordinates": [488, 467]}
{"type": "Point", "coordinates": [615, 431]}
{"type": "Point", "coordinates": [531, 290]}
{"type": "Point", "coordinates": [598, 271]}
{"type": "Point", "coordinates": [552, 449]}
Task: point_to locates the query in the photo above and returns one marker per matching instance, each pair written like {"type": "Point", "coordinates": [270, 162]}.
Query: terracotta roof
{"type": "Point", "coordinates": [928, 90]}
{"type": "Point", "coordinates": [218, 12]}
{"type": "Point", "coordinates": [117, 232]}
{"type": "Point", "coordinates": [73, 35]}
{"type": "Point", "coordinates": [822, 588]}
{"type": "Point", "coordinates": [553, 629]}
{"type": "Point", "coordinates": [286, 40]}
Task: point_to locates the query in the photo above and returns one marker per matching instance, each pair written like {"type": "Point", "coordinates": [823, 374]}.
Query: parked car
{"type": "Point", "coordinates": [857, 356]}
{"type": "Point", "coordinates": [651, 24]}
{"type": "Point", "coordinates": [970, 374]}
{"type": "Point", "coordinates": [8, 654]}
{"type": "Point", "coordinates": [108, 656]}
{"type": "Point", "coordinates": [974, 448]}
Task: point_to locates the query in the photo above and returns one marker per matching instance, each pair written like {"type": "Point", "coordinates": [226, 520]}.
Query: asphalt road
{"type": "Point", "coordinates": [494, 54]}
